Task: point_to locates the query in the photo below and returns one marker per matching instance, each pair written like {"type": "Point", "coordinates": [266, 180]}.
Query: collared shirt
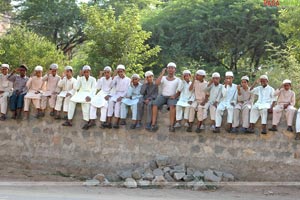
{"type": "Point", "coordinates": [200, 90]}
{"type": "Point", "coordinates": [67, 85]}
{"type": "Point", "coordinates": [134, 91]}
{"type": "Point", "coordinates": [34, 84]}
{"type": "Point", "coordinates": [185, 93]}
{"type": "Point", "coordinates": [121, 86]}
{"type": "Point", "coordinates": [168, 88]}
{"type": "Point", "coordinates": [5, 85]}
{"type": "Point", "coordinates": [246, 96]}
{"type": "Point", "coordinates": [149, 91]}
{"type": "Point", "coordinates": [19, 83]}
{"type": "Point", "coordinates": [51, 83]}
{"type": "Point", "coordinates": [285, 96]}
{"type": "Point", "coordinates": [215, 92]}
{"type": "Point", "coordinates": [104, 84]}
{"type": "Point", "coordinates": [265, 94]}
{"type": "Point", "coordinates": [229, 94]}
{"type": "Point", "coordinates": [86, 85]}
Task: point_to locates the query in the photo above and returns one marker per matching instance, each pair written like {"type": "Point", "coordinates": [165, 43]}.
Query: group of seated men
{"type": "Point", "coordinates": [113, 93]}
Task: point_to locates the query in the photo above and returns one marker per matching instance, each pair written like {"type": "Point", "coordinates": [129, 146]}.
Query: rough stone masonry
{"type": "Point", "coordinates": [45, 144]}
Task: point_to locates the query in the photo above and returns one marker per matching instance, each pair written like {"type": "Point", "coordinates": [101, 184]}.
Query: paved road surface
{"type": "Point", "coordinates": [78, 192]}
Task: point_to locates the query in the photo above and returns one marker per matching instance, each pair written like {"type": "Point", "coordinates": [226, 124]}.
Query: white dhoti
{"type": "Point", "coordinates": [133, 105]}
{"type": "Point", "coordinates": [289, 114]}
{"type": "Point", "coordinates": [212, 112]}
{"type": "Point", "coordinates": [259, 110]}
{"type": "Point", "coordinates": [50, 97]}
{"type": "Point", "coordinates": [298, 121]}
{"type": "Point", "coordinates": [201, 111]}
{"type": "Point", "coordinates": [99, 101]}
{"type": "Point", "coordinates": [85, 106]}
{"type": "Point", "coordinates": [220, 111]}
{"type": "Point", "coordinates": [182, 110]}
{"type": "Point", "coordinates": [241, 111]}
{"type": "Point", "coordinates": [3, 102]}
{"type": "Point", "coordinates": [35, 98]}
{"type": "Point", "coordinates": [62, 100]}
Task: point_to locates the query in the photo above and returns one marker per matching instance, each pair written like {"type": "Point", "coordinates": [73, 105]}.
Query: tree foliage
{"type": "Point", "coordinates": [115, 40]}
{"type": "Point", "coordinates": [21, 46]}
{"type": "Point", "coordinates": [219, 32]}
{"type": "Point", "coordinates": [58, 20]}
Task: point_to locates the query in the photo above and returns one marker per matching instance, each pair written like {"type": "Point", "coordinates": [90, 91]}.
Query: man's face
{"type": "Point", "coordinates": [68, 73]}
{"type": "Point", "coordinates": [121, 72]}
{"type": "Point", "coordinates": [229, 79]}
{"type": "Point", "coordinates": [216, 80]}
{"type": "Point", "coordinates": [149, 79]}
{"type": "Point", "coordinates": [38, 73]}
{"type": "Point", "coordinates": [53, 72]}
{"type": "Point", "coordinates": [199, 77]}
{"type": "Point", "coordinates": [106, 74]}
{"type": "Point", "coordinates": [135, 81]}
{"type": "Point", "coordinates": [187, 77]}
{"type": "Point", "coordinates": [263, 82]}
{"type": "Point", "coordinates": [287, 86]}
{"type": "Point", "coordinates": [22, 71]}
{"type": "Point", "coordinates": [86, 73]}
{"type": "Point", "coordinates": [4, 71]}
{"type": "Point", "coordinates": [171, 70]}
{"type": "Point", "coordinates": [244, 83]}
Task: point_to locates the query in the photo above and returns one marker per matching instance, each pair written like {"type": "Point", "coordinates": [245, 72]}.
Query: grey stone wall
{"type": "Point", "coordinates": [45, 144]}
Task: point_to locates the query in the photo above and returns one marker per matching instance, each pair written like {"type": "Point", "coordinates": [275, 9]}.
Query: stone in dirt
{"type": "Point", "coordinates": [136, 175]}
{"type": "Point", "coordinates": [158, 172]}
{"type": "Point", "coordinates": [188, 178]}
{"type": "Point", "coordinates": [198, 174]}
{"type": "Point", "coordinates": [148, 175]}
{"type": "Point", "coordinates": [100, 177]}
{"type": "Point", "coordinates": [178, 176]}
{"type": "Point", "coordinates": [197, 185]}
{"type": "Point", "coordinates": [130, 183]}
{"type": "Point", "coordinates": [210, 176]}
{"type": "Point", "coordinates": [168, 177]}
{"type": "Point", "coordinates": [91, 182]}
{"type": "Point", "coordinates": [179, 168]}
{"type": "Point", "coordinates": [159, 180]}
{"type": "Point", "coordinates": [126, 174]}
{"type": "Point", "coordinates": [166, 169]}
{"type": "Point", "coordinates": [228, 177]}
{"type": "Point", "coordinates": [161, 161]}
{"type": "Point", "coordinates": [190, 171]}
{"type": "Point", "coordinates": [143, 183]}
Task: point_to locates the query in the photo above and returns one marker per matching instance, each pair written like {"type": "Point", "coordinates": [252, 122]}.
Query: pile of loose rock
{"type": "Point", "coordinates": [164, 173]}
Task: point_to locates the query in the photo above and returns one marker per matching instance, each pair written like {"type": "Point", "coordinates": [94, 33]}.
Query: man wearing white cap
{"type": "Point", "coordinates": [227, 102]}
{"type": "Point", "coordinates": [264, 102]}
{"type": "Point", "coordinates": [16, 100]}
{"type": "Point", "coordinates": [51, 79]}
{"type": "Point", "coordinates": [86, 89]}
{"type": "Point", "coordinates": [149, 92]}
{"type": "Point", "coordinates": [67, 88]}
{"type": "Point", "coordinates": [286, 100]}
{"type": "Point", "coordinates": [6, 88]}
{"type": "Point", "coordinates": [35, 88]}
{"type": "Point", "coordinates": [214, 89]}
{"type": "Point", "coordinates": [131, 99]}
{"type": "Point", "coordinates": [185, 99]}
{"type": "Point", "coordinates": [169, 95]}
{"type": "Point", "coordinates": [120, 86]}
{"type": "Point", "coordinates": [104, 86]}
{"type": "Point", "coordinates": [200, 103]}
{"type": "Point", "coordinates": [243, 106]}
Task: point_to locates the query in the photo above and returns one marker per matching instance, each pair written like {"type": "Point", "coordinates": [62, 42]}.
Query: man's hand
{"type": "Point", "coordinates": [68, 94]}
{"type": "Point", "coordinates": [285, 106]}
{"type": "Point", "coordinates": [80, 73]}
{"type": "Point", "coordinates": [202, 103]}
{"type": "Point", "coordinates": [215, 104]}
{"type": "Point", "coordinates": [163, 71]}
{"type": "Point", "coordinates": [172, 97]}
{"type": "Point", "coordinates": [1, 92]}
{"type": "Point", "coordinates": [238, 87]}
{"type": "Point", "coordinates": [190, 102]}
{"type": "Point", "coordinates": [87, 99]}
{"type": "Point", "coordinates": [232, 104]}
{"type": "Point", "coordinates": [107, 97]}
{"type": "Point", "coordinates": [119, 99]}
{"type": "Point", "coordinates": [146, 101]}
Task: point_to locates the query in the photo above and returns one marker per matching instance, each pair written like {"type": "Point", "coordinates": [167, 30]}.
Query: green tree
{"type": "Point", "coordinates": [58, 20]}
{"type": "Point", "coordinates": [5, 6]}
{"type": "Point", "coordinates": [21, 46]}
{"type": "Point", "coordinates": [117, 40]}
{"type": "Point", "coordinates": [221, 33]}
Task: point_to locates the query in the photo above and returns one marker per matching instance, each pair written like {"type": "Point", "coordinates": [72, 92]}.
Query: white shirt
{"type": "Point", "coordinates": [67, 86]}
{"type": "Point", "coordinates": [104, 85]}
{"type": "Point", "coordinates": [229, 94]}
{"type": "Point", "coordinates": [215, 92]}
{"type": "Point", "coordinates": [265, 96]}
{"type": "Point", "coordinates": [168, 88]}
{"type": "Point", "coordinates": [5, 85]}
{"type": "Point", "coordinates": [185, 93]}
{"type": "Point", "coordinates": [120, 86]}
